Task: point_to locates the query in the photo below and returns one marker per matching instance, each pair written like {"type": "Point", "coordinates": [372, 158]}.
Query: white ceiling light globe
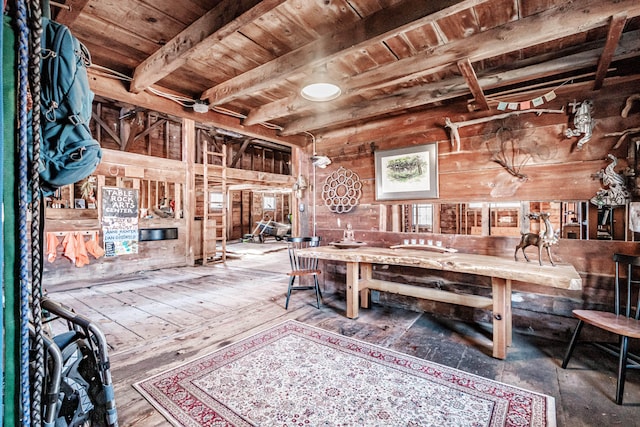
{"type": "Point", "coordinates": [319, 92]}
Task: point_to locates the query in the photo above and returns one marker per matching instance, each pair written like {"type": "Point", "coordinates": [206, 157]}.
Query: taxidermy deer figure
{"type": "Point", "coordinates": [543, 240]}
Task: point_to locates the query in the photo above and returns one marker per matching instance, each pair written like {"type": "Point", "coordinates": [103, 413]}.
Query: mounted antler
{"type": "Point", "coordinates": [454, 126]}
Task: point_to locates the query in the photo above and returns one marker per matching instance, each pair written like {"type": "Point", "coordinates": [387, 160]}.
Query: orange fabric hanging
{"type": "Point", "coordinates": [94, 248]}
{"type": "Point", "coordinates": [82, 258]}
{"type": "Point", "coordinates": [52, 247]}
{"type": "Point", "coordinates": [69, 247]}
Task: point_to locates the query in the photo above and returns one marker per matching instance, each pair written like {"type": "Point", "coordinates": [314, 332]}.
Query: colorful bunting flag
{"type": "Point", "coordinates": [533, 103]}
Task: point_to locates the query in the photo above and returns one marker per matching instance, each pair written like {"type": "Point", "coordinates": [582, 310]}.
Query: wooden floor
{"type": "Point", "coordinates": [160, 319]}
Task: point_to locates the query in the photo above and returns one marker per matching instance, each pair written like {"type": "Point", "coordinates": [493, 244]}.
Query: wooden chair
{"type": "Point", "coordinates": [302, 266]}
{"type": "Point", "coordinates": [622, 322]}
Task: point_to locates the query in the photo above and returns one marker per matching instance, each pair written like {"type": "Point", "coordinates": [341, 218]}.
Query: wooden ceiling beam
{"type": "Point", "coordinates": [533, 30]}
{"type": "Point", "coordinates": [564, 21]}
{"type": "Point", "coordinates": [613, 38]}
{"type": "Point", "coordinates": [454, 87]}
{"type": "Point", "coordinates": [469, 75]}
{"type": "Point", "coordinates": [116, 90]}
{"type": "Point", "coordinates": [67, 16]}
{"type": "Point", "coordinates": [294, 105]}
{"type": "Point", "coordinates": [221, 21]}
{"type": "Point", "coordinates": [375, 28]}
{"type": "Point", "coordinates": [280, 108]}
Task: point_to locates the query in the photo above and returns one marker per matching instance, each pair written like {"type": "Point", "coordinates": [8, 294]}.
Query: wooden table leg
{"type": "Point", "coordinates": [508, 318]}
{"type": "Point", "coordinates": [365, 274]}
{"type": "Point", "coordinates": [501, 290]}
{"type": "Point", "coordinates": [352, 290]}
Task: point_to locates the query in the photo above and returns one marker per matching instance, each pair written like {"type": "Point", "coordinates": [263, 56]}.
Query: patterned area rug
{"type": "Point", "coordinates": [297, 375]}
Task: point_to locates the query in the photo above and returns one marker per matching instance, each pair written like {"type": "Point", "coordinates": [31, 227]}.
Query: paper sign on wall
{"type": "Point", "coordinates": [120, 220]}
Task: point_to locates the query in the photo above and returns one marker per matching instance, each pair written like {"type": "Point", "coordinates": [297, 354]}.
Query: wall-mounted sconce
{"type": "Point", "coordinates": [320, 161]}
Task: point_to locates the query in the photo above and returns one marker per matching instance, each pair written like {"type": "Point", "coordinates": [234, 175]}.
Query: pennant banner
{"type": "Point", "coordinates": [525, 105]}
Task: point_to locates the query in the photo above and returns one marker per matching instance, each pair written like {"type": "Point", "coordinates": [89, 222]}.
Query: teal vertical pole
{"type": "Point", "coordinates": [2, 141]}
{"type": "Point", "coordinates": [10, 286]}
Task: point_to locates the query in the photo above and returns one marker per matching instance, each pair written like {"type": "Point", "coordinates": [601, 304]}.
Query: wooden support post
{"type": "Point", "coordinates": [501, 289]}
{"type": "Point", "coordinates": [177, 198]}
{"type": "Point", "coordinates": [188, 153]}
{"type": "Point", "coordinates": [396, 219]}
{"type": "Point", "coordinates": [100, 184]}
{"type": "Point", "coordinates": [382, 214]}
{"type": "Point", "coordinates": [366, 274]}
{"type": "Point", "coordinates": [352, 290]}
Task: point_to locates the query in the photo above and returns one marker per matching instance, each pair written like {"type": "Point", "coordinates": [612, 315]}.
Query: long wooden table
{"type": "Point", "coordinates": [501, 270]}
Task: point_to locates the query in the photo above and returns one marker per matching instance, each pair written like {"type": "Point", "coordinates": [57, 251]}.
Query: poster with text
{"type": "Point", "coordinates": [120, 220]}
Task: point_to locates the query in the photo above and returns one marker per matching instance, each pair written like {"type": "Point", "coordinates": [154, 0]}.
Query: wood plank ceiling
{"type": "Point", "coordinates": [249, 58]}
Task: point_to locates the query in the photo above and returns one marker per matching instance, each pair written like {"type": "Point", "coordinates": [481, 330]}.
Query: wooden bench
{"type": "Point", "coordinates": [502, 271]}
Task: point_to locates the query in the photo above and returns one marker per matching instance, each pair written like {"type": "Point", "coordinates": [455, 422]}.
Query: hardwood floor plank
{"type": "Point", "coordinates": [118, 335]}
{"type": "Point", "coordinates": [160, 303]}
{"type": "Point", "coordinates": [247, 295]}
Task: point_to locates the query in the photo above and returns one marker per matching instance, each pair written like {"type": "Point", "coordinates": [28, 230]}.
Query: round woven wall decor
{"type": "Point", "coordinates": [342, 190]}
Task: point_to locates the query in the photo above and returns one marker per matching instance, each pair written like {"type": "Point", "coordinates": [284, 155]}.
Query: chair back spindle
{"type": "Point", "coordinates": [299, 263]}
{"type": "Point", "coordinates": [303, 266]}
{"type": "Point", "coordinates": [627, 287]}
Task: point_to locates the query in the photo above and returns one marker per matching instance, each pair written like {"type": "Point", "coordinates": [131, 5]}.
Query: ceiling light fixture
{"type": "Point", "coordinates": [199, 106]}
{"type": "Point", "coordinates": [320, 88]}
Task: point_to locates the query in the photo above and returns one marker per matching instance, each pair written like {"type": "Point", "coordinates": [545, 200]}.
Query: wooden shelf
{"type": "Point", "coordinates": [71, 214]}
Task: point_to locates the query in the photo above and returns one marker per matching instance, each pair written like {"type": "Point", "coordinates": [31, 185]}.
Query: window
{"type": "Point", "coordinates": [504, 219]}
{"type": "Point", "coordinates": [268, 203]}
{"type": "Point", "coordinates": [423, 218]}
{"type": "Point", "coordinates": [215, 200]}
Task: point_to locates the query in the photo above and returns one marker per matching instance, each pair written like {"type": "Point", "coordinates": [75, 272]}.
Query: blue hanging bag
{"type": "Point", "coordinates": [68, 151]}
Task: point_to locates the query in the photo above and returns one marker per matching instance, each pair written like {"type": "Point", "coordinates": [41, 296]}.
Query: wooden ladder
{"type": "Point", "coordinates": [214, 225]}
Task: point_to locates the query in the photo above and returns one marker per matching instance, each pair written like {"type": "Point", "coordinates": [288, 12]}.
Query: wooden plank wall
{"type": "Point", "coordinates": [556, 171]}
{"type": "Point", "coordinates": [470, 174]}
{"type": "Point", "coordinates": [144, 150]}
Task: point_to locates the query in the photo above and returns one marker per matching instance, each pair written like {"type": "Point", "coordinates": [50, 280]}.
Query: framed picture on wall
{"type": "Point", "coordinates": [407, 173]}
